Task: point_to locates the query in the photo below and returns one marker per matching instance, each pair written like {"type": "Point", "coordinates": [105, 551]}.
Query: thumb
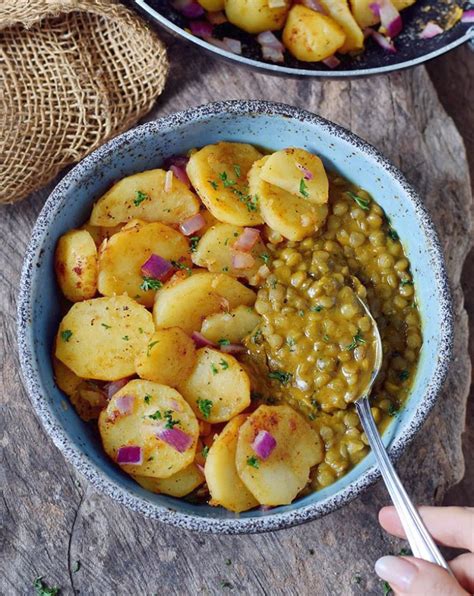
{"type": "Point", "coordinates": [410, 576]}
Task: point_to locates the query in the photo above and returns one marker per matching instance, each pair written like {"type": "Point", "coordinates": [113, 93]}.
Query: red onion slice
{"type": "Point", "coordinates": [201, 29]}
{"type": "Point", "coordinates": [272, 54]}
{"type": "Point", "coordinates": [381, 40]}
{"type": "Point", "coordinates": [242, 260]}
{"type": "Point", "coordinates": [130, 454]}
{"type": "Point", "coordinates": [192, 224]}
{"type": "Point", "coordinates": [157, 267]}
{"type": "Point", "coordinates": [314, 5]}
{"type": "Point", "coordinates": [201, 341]}
{"type": "Point", "coordinates": [124, 403]}
{"type": "Point", "coordinates": [263, 444]}
{"type": "Point", "coordinates": [467, 16]}
{"type": "Point", "coordinates": [190, 9]}
{"type": "Point", "coordinates": [175, 438]}
{"type": "Point", "coordinates": [168, 181]}
{"type": "Point", "coordinates": [431, 30]}
{"type": "Point", "coordinates": [390, 18]}
{"type": "Point", "coordinates": [247, 240]}
{"type": "Point", "coordinates": [375, 8]}
{"type": "Point", "coordinates": [331, 62]}
{"type": "Point", "coordinates": [268, 38]}
{"type": "Point", "coordinates": [307, 174]}
{"type": "Point", "coordinates": [233, 349]}
{"type": "Point", "coordinates": [180, 174]}
{"type": "Point", "coordinates": [233, 45]}
{"type": "Point", "coordinates": [112, 388]}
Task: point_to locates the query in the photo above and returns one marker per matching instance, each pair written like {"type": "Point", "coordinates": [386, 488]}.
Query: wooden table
{"type": "Point", "coordinates": [52, 518]}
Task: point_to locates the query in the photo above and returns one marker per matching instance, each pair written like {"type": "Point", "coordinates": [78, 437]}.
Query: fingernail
{"type": "Point", "coordinates": [398, 572]}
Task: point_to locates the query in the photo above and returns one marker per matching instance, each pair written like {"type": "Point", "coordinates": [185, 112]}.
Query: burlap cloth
{"type": "Point", "coordinates": [73, 73]}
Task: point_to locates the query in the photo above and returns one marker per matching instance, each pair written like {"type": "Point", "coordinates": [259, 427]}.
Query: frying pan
{"type": "Point", "coordinates": [411, 50]}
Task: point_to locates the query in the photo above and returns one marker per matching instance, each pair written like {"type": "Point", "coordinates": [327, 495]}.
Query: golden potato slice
{"type": "Point", "coordinates": [178, 485]}
{"type": "Point", "coordinates": [230, 326]}
{"type": "Point", "coordinates": [311, 36]}
{"type": "Point", "coordinates": [65, 379]}
{"type": "Point", "coordinates": [214, 251]}
{"type": "Point", "coordinates": [100, 233]}
{"type": "Point", "coordinates": [287, 170]}
{"type": "Point", "coordinates": [143, 195]}
{"type": "Point", "coordinates": [339, 11]}
{"type": "Point", "coordinates": [212, 5]}
{"type": "Point", "coordinates": [255, 16]}
{"type": "Point", "coordinates": [219, 175]}
{"type": "Point", "coordinates": [75, 262]}
{"type": "Point", "coordinates": [365, 16]}
{"type": "Point", "coordinates": [225, 486]}
{"type": "Point", "coordinates": [293, 217]}
{"type": "Point", "coordinates": [168, 358]}
{"type": "Point", "coordinates": [88, 400]}
{"type": "Point", "coordinates": [279, 478]}
{"type": "Point", "coordinates": [190, 300]}
{"type": "Point", "coordinates": [218, 388]}
{"type": "Point", "coordinates": [154, 410]}
{"type": "Point", "coordinates": [99, 338]}
{"type": "Point", "coordinates": [122, 256]}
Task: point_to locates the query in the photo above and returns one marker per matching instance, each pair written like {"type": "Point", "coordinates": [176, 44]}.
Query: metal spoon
{"type": "Point", "coordinates": [421, 543]}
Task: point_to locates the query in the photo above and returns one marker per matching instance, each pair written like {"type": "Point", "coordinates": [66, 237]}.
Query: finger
{"type": "Point", "coordinates": [463, 569]}
{"type": "Point", "coordinates": [451, 526]}
{"type": "Point", "coordinates": [409, 576]}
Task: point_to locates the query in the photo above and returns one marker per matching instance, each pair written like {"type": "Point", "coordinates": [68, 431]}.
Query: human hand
{"type": "Point", "coordinates": [449, 526]}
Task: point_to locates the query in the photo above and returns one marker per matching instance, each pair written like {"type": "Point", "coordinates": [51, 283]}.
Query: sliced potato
{"type": "Point", "coordinates": [311, 36]}
{"type": "Point", "coordinates": [154, 409]}
{"type": "Point", "coordinates": [75, 262]}
{"type": "Point", "coordinates": [287, 170]}
{"type": "Point", "coordinates": [293, 217]}
{"type": "Point", "coordinates": [188, 301]}
{"type": "Point", "coordinates": [278, 479]}
{"type": "Point", "coordinates": [99, 338]}
{"type": "Point", "coordinates": [365, 17]}
{"type": "Point", "coordinates": [212, 5]}
{"type": "Point", "coordinates": [219, 175]}
{"type": "Point", "coordinates": [232, 326]}
{"type": "Point", "coordinates": [218, 388]}
{"type": "Point", "coordinates": [88, 400]}
{"type": "Point", "coordinates": [123, 255]}
{"type": "Point", "coordinates": [255, 16]}
{"type": "Point", "coordinates": [65, 379]}
{"type": "Point", "coordinates": [143, 195]}
{"type": "Point", "coordinates": [224, 484]}
{"type": "Point", "coordinates": [168, 358]}
{"type": "Point", "coordinates": [100, 233]}
{"type": "Point", "coordinates": [178, 485]}
{"type": "Point", "coordinates": [214, 251]}
{"type": "Point", "coordinates": [339, 10]}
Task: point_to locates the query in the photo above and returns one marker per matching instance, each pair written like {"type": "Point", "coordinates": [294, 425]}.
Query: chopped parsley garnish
{"type": "Point", "coordinates": [205, 451]}
{"type": "Point", "coordinates": [393, 234]}
{"type": "Point", "coordinates": [316, 308]}
{"type": "Point", "coordinates": [315, 403]}
{"type": "Point", "coordinates": [147, 398]}
{"type": "Point", "coordinates": [182, 266]}
{"type": "Point", "coordinates": [257, 337]}
{"type": "Point", "coordinates": [281, 376]}
{"type": "Point", "coordinates": [156, 416]}
{"type": "Point", "coordinates": [357, 340]}
{"type": "Point", "coordinates": [326, 337]}
{"type": "Point", "coordinates": [150, 345]}
{"type": "Point", "coordinates": [236, 170]}
{"type": "Point", "coordinates": [140, 197]}
{"type": "Point", "coordinates": [213, 183]}
{"type": "Point", "coordinates": [214, 369]}
{"type": "Point", "coordinates": [265, 258]}
{"type": "Point", "coordinates": [193, 243]}
{"type": "Point", "coordinates": [66, 335]}
{"type": "Point", "coordinates": [205, 407]}
{"type": "Point", "coordinates": [125, 338]}
{"type": "Point", "coordinates": [406, 282]}
{"type": "Point", "coordinates": [223, 341]}
{"type": "Point", "coordinates": [304, 188]}
{"type": "Point", "coordinates": [312, 416]}
{"type": "Point", "coordinates": [225, 180]}
{"type": "Point", "coordinates": [224, 364]}
{"type": "Point", "coordinates": [253, 461]}
{"type": "Point", "coordinates": [150, 283]}
{"type": "Point", "coordinates": [403, 375]}
{"type": "Point", "coordinates": [106, 326]}
{"type": "Point", "coordinates": [392, 410]}
{"type": "Point", "coordinates": [44, 590]}
{"type": "Point", "coordinates": [169, 419]}
{"type": "Point", "coordinates": [387, 590]}
{"type": "Point", "coordinates": [363, 203]}
{"type": "Point", "coordinates": [76, 566]}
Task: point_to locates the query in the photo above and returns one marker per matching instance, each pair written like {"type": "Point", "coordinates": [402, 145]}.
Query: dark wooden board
{"type": "Point", "coordinates": [51, 518]}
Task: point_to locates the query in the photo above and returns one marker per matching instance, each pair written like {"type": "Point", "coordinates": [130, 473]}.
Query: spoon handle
{"type": "Point", "coordinates": [421, 543]}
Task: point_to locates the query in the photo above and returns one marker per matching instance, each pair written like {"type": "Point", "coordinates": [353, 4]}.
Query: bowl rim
{"type": "Point", "coordinates": [93, 473]}
{"type": "Point", "coordinates": [278, 70]}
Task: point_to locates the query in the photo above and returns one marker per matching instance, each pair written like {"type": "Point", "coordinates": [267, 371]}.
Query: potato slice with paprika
{"type": "Point", "coordinates": [230, 327]}
{"type": "Point", "coordinates": [75, 262]}
{"type": "Point", "coordinates": [178, 485]}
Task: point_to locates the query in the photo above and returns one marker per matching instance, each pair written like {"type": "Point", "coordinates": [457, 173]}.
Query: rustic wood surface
{"type": "Point", "coordinates": [52, 519]}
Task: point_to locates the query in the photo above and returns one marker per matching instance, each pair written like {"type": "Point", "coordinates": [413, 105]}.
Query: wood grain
{"type": "Point", "coordinates": [51, 517]}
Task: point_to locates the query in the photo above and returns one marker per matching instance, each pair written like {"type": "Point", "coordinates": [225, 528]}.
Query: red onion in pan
{"type": "Point", "coordinates": [192, 224]}
{"type": "Point", "coordinates": [201, 341]}
{"type": "Point", "coordinates": [130, 454]}
{"type": "Point", "coordinates": [431, 30]}
{"type": "Point", "coordinates": [247, 240]}
{"type": "Point", "coordinates": [175, 438]}
{"type": "Point", "coordinates": [124, 404]}
{"type": "Point", "coordinates": [201, 29]}
{"type": "Point", "coordinates": [242, 260]}
{"type": "Point", "coordinates": [330, 62]}
{"type": "Point", "coordinates": [180, 174]}
{"type": "Point", "coordinates": [467, 16]}
{"type": "Point", "coordinates": [263, 444]}
{"type": "Point", "coordinates": [157, 267]}
{"type": "Point", "coordinates": [233, 349]}
{"type": "Point", "coordinates": [112, 388]}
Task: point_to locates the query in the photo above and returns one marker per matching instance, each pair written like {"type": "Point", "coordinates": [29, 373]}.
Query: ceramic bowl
{"type": "Point", "coordinates": [272, 126]}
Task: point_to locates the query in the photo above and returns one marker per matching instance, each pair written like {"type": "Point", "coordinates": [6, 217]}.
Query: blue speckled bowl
{"type": "Point", "coordinates": [273, 126]}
